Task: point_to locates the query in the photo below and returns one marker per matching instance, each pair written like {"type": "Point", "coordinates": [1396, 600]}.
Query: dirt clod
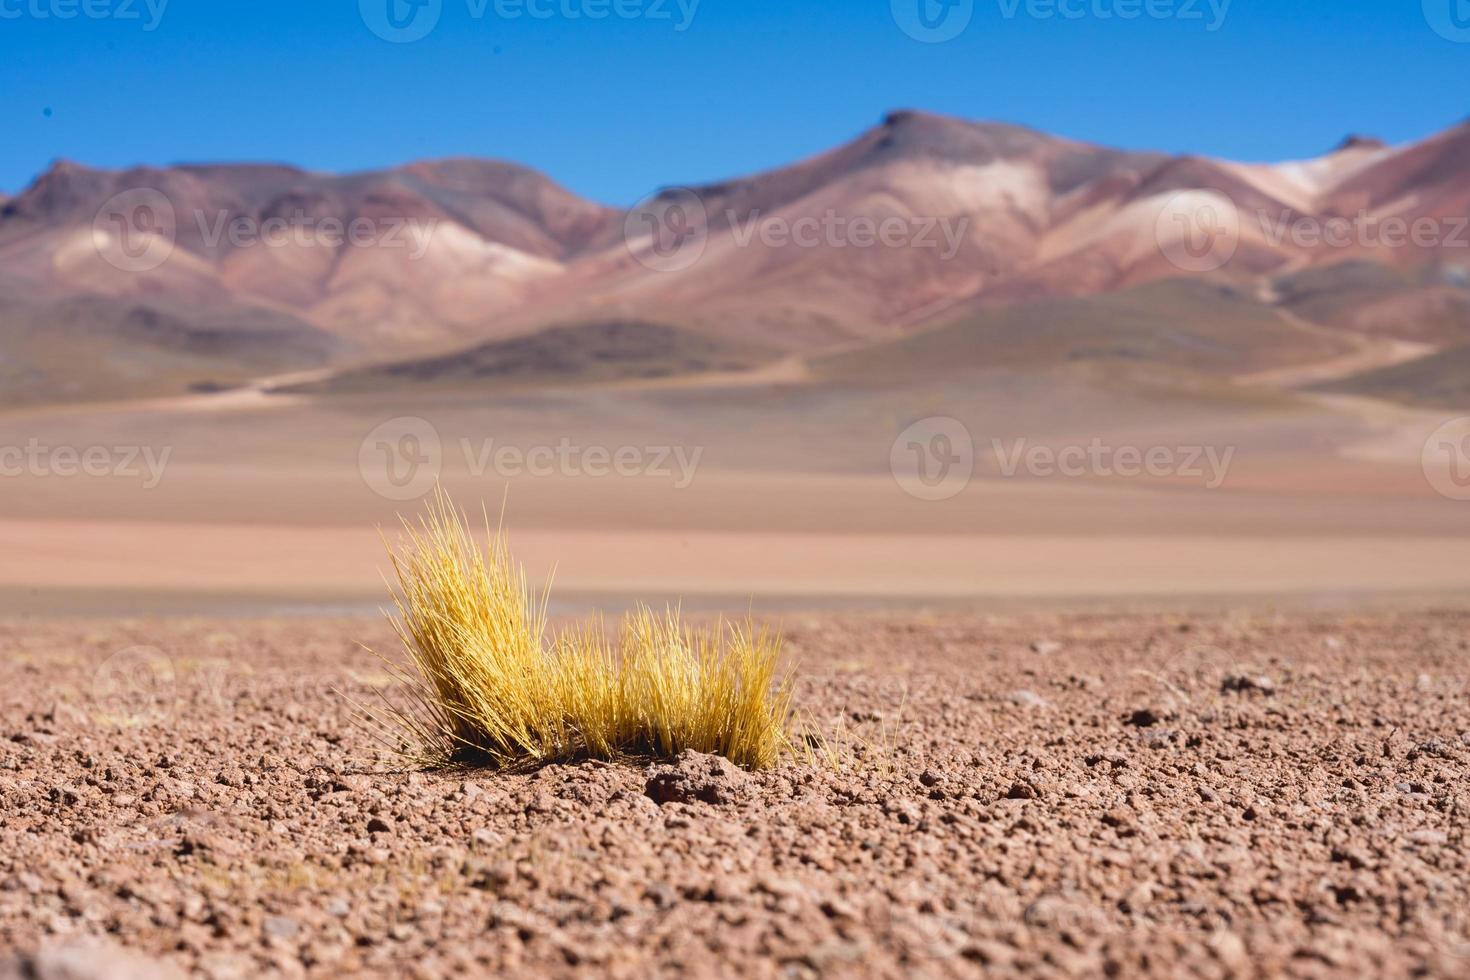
{"type": "Point", "coordinates": [696, 777]}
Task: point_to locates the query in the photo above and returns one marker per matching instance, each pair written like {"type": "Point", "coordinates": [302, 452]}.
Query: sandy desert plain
{"type": "Point", "coordinates": [749, 490]}
{"type": "Point", "coordinates": [1123, 726]}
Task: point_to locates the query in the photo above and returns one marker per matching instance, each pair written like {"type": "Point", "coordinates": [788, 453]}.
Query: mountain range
{"type": "Point", "coordinates": [926, 245]}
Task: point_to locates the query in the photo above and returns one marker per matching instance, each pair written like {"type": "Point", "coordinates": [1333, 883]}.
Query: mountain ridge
{"type": "Point", "coordinates": [463, 252]}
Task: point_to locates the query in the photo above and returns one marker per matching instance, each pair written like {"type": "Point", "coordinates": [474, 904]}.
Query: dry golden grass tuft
{"type": "Point", "coordinates": [488, 687]}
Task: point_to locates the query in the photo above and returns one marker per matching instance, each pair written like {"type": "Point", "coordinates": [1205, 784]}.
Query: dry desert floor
{"type": "Point", "coordinates": [786, 494]}
{"type": "Point", "coordinates": [1084, 794]}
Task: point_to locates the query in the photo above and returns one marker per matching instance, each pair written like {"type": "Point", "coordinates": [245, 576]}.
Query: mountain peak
{"type": "Point", "coordinates": [900, 117]}
{"type": "Point", "coordinates": [934, 122]}
{"type": "Point", "coordinates": [1355, 141]}
{"type": "Point", "coordinates": [63, 185]}
{"type": "Point", "coordinates": [62, 167]}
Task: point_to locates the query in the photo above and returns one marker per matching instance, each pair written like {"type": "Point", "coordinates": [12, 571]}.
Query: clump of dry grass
{"type": "Point", "coordinates": [488, 686]}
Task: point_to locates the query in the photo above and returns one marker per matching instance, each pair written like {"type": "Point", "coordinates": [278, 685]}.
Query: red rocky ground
{"type": "Point", "coordinates": [1078, 795]}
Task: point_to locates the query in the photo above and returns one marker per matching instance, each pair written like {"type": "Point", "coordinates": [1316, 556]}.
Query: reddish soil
{"type": "Point", "coordinates": [1055, 795]}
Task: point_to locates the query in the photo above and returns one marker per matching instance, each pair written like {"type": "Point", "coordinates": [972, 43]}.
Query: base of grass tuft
{"type": "Point", "coordinates": [489, 686]}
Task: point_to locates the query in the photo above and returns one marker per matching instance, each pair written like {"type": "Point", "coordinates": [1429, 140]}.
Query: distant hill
{"type": "Point", "coordinates": [1440, 380]}
{"type": "Point", "coordinates": [1408, 304]}
{"type": "Point", "coordinates": [1196, 326]}
{"type": "Point", "coordinates": [575, 354]}
{"type": "Point", "coordinates": [90, 348]}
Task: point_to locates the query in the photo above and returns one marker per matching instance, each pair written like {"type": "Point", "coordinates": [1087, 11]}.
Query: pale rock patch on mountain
{"type": "Point", "coordinates": [79, 263]}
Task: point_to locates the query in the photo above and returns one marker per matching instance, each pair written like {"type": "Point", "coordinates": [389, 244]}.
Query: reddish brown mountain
{"type": "Point", "coordinates": [387, 260]}
{"type": "Point", "coordinates": [918, 222]}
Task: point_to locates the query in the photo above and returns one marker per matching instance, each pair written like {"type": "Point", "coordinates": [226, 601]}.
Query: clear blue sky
{"type": "Point", "coordinates": [614, 107]}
